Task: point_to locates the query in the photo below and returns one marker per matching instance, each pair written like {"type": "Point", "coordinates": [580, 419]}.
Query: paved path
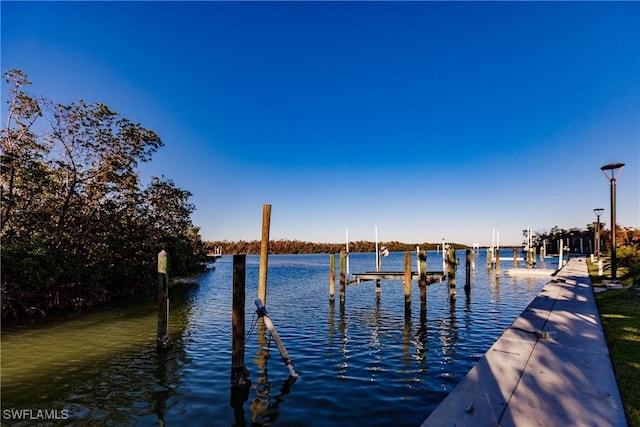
{"type": "Point", "coordinates": [527, 379]}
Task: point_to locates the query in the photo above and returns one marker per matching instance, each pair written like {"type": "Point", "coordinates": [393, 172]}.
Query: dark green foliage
{"type": "Point", "coordinates": [301, 247]}
{"type": "Point", "coordinates": [77, 225]}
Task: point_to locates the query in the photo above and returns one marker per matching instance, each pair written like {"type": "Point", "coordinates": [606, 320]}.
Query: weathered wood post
{"type": "Point", "coordinates": [497, 259]}
{"type": "Point", "coordinates": [515, 258]}
{"type": "Point", "coordinates": [407, 283]}
{"type": "Point", "coordinates": [343, 277]}
{"type": "Point", "coordinates": [239, 373]}
{"type": "Point", "coordinates": [560, 256]}
{"type": "Point", "coordinates": [423, 282]}
{"type": "Point", "coordinates": [489, 258]}
{"type": "Point", "coordinates": [451, 273]}
{"type": "Point", "coordinates": [467, 279]}
{"type": "Point", "coordinates": [264, 253]}
{"type": "Point", "coordinates": [332, 275]}
{"type": "Point", "coordinates": [162, 341]}
{"type": "Point", "coordinates": [473, 260]}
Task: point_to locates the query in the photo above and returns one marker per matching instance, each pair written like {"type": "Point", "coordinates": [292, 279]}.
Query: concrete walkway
{"type": "Point", "coordinates": [550, 368]}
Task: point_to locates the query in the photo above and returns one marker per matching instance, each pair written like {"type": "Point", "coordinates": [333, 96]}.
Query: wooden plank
{"type": "Point", "coordinates": [432, 276]}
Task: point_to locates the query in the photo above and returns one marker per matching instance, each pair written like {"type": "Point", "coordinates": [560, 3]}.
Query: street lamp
{"type": "Point", "coordinates": [611, 171]}
{"type": "Point", "coordinates": [598, 212]}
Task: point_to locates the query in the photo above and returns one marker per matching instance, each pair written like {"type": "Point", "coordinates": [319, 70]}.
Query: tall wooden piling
{"type": "Point", "coordinates": [239, 373]}
{"type": "Point", "coordinates": [407, 282]}
{"type": "Point", "coordinates": [332, 275]}
{"type": "Point", "coordinates": [343, 277]}
{"type": "Point", "coordinates": [467, 279]}
{"type": "Point", "coordinates": [497, 259]}
{"type": "Point", "coordinates": [451, 273]}
{"type": "Point", "coordinates": [264, 253]}
{"type": "Point", "coordinates": [162, 340]}
{"type": "Point", "coordinates": [515, 258]}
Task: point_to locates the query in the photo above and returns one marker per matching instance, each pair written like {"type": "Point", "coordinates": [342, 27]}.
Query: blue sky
{"type": "Point", "coordinates": [429, 120]}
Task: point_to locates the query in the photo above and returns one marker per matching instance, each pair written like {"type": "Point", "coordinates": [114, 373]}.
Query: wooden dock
{"type": "Point", "coordinates": [432, 276]}
{"type": "Point", "coordinates": [550, 368]}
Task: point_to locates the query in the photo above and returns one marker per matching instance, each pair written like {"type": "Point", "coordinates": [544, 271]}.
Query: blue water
{"type": "Point", "coordinates": [361, 363]}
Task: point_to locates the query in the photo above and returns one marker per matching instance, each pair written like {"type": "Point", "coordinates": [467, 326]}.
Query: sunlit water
{"type": "Point", "coordinates": [363, 363]}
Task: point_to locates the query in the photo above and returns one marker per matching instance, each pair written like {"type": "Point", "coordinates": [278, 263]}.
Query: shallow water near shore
{"type": "Point", "coordinates": [361, 363]}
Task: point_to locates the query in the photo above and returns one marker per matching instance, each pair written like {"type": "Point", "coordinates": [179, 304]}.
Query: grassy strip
{"type": "Point", "coordinates": [620, 315]}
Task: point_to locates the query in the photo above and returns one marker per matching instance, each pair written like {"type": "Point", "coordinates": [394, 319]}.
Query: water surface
{"type": "Point", "coordinates": [361, 363]}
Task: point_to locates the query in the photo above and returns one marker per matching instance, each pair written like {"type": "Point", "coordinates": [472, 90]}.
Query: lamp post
{"type": "Point", "coordinates": [598, 212]}
{"type": "Point", "coordinates": [611, 171]}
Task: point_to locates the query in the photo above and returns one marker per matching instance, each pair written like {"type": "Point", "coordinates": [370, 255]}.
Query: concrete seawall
{"type": "Point", "coordinates": [550, 368]}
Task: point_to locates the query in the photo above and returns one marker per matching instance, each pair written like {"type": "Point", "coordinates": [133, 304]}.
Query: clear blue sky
{"type": "Point", "coordinates": [426, 119]}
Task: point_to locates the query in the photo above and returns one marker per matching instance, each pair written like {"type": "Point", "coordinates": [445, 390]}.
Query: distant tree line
{"type": "Point", "coordinates": [304, 247]}
{"type": "Point", "coordinates": [579, 240]}
{"type": "Point", "coordinates": [575, 239]}
{"type": "Point", "coordinates": [77, 225]}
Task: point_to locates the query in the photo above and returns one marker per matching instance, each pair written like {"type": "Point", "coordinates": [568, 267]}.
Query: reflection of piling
{"type": "Point", "coordinates": [332, 276]}
{"type": "Point", "coordinates": [343, 277]}
{"type": "Point", "coordinates": [451, 273]}
{"type": "Point", "coordinates": [407, 282]}
{"type": "Point", "coordinates": [162, 341]}
{"type": "Point", "coordinates": [239, 373]}
{"type": "Point", "coordinates": [264, 253]}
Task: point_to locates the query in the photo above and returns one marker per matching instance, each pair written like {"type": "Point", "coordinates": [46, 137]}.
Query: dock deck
{"type": "Point", "coordinates": [432, 276]}
{"type": "Point", "coordinates": [550, 368]}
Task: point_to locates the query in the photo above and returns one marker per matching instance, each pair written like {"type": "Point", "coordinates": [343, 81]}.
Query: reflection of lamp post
{"type": "Point", "coordinates": [612, 180]}
{"type": "Point", "coordinates": [598, 212]}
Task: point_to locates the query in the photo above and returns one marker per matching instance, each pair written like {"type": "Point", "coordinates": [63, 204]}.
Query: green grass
{"type": "Point", "coordinates": [620, 315]}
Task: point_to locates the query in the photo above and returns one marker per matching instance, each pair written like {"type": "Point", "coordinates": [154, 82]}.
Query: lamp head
{"type": "Point", "coordinates": [598, 212]}
{"type": "Point", "coordinates": [613, 167]}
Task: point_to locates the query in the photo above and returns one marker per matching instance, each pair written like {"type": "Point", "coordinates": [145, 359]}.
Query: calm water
{"type": "Point", "coordinates": [361, 364]}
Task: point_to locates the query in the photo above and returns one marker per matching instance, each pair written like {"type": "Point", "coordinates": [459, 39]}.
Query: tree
{"type": "Point", "coordinates": [77, 225]}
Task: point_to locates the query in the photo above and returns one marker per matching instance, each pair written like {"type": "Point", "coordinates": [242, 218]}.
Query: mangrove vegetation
{"type": "Point", "coordinates": [78, 225]}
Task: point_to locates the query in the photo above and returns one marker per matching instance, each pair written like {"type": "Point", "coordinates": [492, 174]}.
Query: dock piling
{"type": "Point", "coordinates": [451, 273]}
{"type": "Point", "coordinates": [239, 373]}
{"type": "Point", "coordinates": [467, 279]}
{"type": "Point", "coordinates": [343, 277]}
{"type": "Point", "coordinates": [162, 340]}
{"type": "Point", "coordinates": [407, 282]}
{"type": "Point", "coordinates": [264, 253]}
{"type": "Point", "coordinates": [332, 275]}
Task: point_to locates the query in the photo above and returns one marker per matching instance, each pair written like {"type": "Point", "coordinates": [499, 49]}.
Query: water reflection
{"type": "Point", "coordinates": [265, 407]}
{"type": "Point", "coordinates": [261, 402]}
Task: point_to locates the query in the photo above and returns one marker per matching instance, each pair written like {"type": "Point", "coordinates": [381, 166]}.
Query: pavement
{"type": "Point", "coordinates": [550, 368]}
